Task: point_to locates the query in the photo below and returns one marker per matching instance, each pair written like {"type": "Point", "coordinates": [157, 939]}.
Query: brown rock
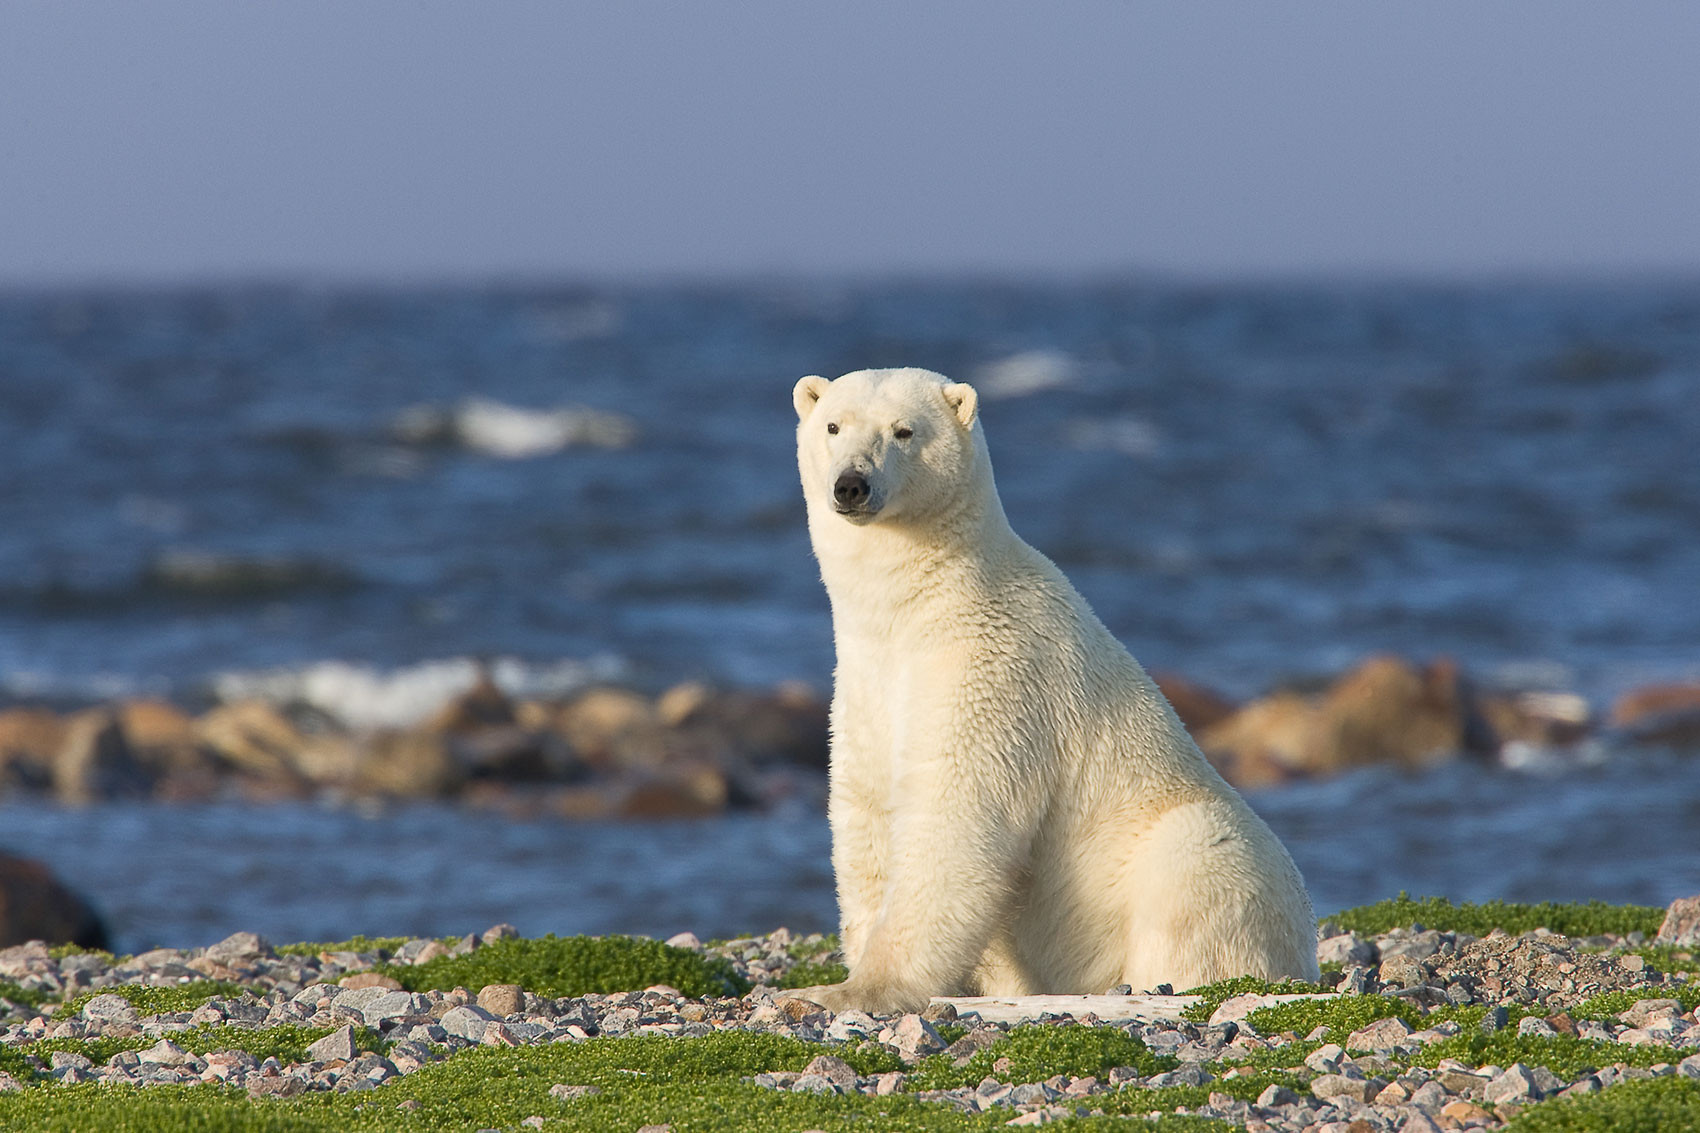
{"type": "Point", "coordinates": [1681, 925]}
{"type": "Point", "coordinates": [35, 905]}
{"type": "Point", "coordinates": [1667, 715]}
{"type": "Point", "coordinates": [1387, 711]}
{"type": "Point", "coordinates": [369, 979]}
{"type": "Point", "coordinates": [1637, 705]}
{"type": "Point", "coordinates": [408, 765]}
{"type": "Point", "coordinates": [681, 792]}
{"type": "Point", "coordinates": [1263, 743]}
{"type": "Point", "coordinates": [30, 739]}
{"type": "Point", "coordinates": [96, 761]}
{"type": "Point", "coordinates": [255, 738]}
{"type": "Point", "coordinates": [787, 725]}
{"type": "Point", "coordinates": [481, 706]}
{"type": "Point", "coordinates": [1198, 707]}
{"type": "Point", "coordinates": [502, 1000]}
{"type": "Point", "coordinates": [1545, 719]}
{"type": "Point", "coordinates": [599, 720]}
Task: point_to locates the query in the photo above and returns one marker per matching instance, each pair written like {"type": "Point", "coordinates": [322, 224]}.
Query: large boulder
{"type": "Point", "coordinates": [96, 761]}
{"type": "Point", "coordinates": [30, 739]}
{"type": "Point", "coordinates": [35, 905]}
{"type": "Point", "coordinates": [1668, 715]}
{"type": "Point", "coordinates": [257, 740]}
{"type": "Point", "coordinates": [1198, 707]}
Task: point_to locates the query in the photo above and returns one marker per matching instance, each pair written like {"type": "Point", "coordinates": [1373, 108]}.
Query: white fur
{"type": "Point", "coordinates": [1015, 808]}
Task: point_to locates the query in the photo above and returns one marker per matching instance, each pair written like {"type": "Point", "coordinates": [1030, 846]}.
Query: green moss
{"type": "Point", "coordinates": [1565, 1056]}
{"type": "Point", "coordinates": [25, 996]}
{"type": "Point", "coordinates": [373, 944]}
{"type": "Point", "coordinates": [1217, 993]}
{"type": "Point", "coordinates": [1591, 919]}
{"type": "Point", "coordinates": [1341, 1015]}
{"type": "Point", "coordinates": [813, 947]}
{"type": "Point", "coordinates": [1142, 1100]}
{"type": "Point", "coordinates": [158, 1000]}
{"type": "Point", "coordinates": [809, 973]}
{"type": "Point", "coordinates": [285, 1043]}
{"type": "Point", "coordinates": [1611, 1003]}
{"type": "Point", "coordinates": [1036, 1053]}
{"type": "Point", "coordinates": [60, 951]}
{"type": "Point", "coordinates": [1631, 1107]}
{"type": "Point", "coordinates": [556, 966]}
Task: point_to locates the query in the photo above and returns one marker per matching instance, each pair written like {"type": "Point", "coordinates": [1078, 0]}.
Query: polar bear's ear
{"type": "Point", "coordinates": [806, 392]}
{"type": "Point", "coordinates": [963, 401]}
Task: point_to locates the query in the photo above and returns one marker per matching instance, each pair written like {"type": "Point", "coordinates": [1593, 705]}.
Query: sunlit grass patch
{"type": "Point", "coordinates": [564, 966]}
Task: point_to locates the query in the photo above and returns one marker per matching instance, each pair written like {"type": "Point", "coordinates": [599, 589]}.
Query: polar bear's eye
{"type": "Point", "coordinates": [903, 432]}
{"type": "Point", "coordinates": [832, 427]}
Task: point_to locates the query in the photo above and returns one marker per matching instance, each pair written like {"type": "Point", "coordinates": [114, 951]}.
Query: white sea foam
{"type": "Point", "coordinates": [364, 697]}
{"type": "Point", "coordinates": [1130, 436]}
{"type": "Point", "coordinates": [510, 432]}
{"type": "Point", "coordinates": [1031, 371]}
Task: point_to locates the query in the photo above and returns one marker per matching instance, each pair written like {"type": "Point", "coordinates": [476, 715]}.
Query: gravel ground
{"type": "Point", "coordinates": [1358, 1082]}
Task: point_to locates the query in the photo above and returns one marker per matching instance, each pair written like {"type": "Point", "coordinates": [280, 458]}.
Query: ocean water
{"type": "Point", "coordinates": [1250, 484]}
{"type": "Point", "coordinates": [350, 496]}
{"type": "Point", "coordinates": [186, 876]}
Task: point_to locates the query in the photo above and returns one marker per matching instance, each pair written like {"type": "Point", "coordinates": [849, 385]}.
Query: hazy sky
{"type": "Point", "coordinates": [378, 138]}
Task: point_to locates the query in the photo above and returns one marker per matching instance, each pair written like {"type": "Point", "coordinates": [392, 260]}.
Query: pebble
{"type": "Point", "coordinates": [1349, 1090]}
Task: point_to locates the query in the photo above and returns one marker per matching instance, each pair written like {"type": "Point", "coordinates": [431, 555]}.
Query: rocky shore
{"type": "Point", "coordinates": [613, 752]}
{"type": "Point", "coordinates": [1414, 1029]}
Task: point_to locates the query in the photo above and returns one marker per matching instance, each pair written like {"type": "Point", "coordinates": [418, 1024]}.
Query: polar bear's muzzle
{"type": "Point", "coordinates": [852, 494]}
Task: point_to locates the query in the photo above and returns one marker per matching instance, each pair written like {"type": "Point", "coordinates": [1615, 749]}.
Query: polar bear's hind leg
{"type": "Point", "coordinates": [1209, 903]}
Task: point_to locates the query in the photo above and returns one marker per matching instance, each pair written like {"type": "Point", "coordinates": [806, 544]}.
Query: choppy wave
{"type": "Point", "coordinates": [510, 432]}
{"type": "Point", "coordinates": [1031, 371]}
{"type": "Point", "coordinates": [362, 696]}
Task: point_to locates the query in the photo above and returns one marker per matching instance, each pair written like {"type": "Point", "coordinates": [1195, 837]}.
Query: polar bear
{"type": "Point", "coordinates": [1015, 808]}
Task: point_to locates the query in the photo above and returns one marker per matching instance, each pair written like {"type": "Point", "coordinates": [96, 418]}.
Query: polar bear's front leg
{"type": "Point", "coordinates": [949, 876]}
{"type": "Point", "coordinates": [860, 845]}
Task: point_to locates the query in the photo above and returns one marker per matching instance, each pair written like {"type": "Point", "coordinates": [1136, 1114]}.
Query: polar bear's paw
{"type": "Point", "coordinates": [853, 996]}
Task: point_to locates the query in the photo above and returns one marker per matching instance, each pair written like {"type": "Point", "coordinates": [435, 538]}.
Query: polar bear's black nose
{"type": "Point", "coordinates": [850, 490]}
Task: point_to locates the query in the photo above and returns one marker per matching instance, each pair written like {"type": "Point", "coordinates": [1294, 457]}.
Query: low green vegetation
{"type": "Point", "coordinates": [157, 1000]}
{"type": "Point", "coordinates": [575, 965]}
{"type": "Point", "coordinates": [24, 996]}
{"type": "Point", "coordinates": [1595, 918]}
{"type": "Point", "coordinates": [286, 1043]}
{"type": "Point", "coordinates": [1341, 1015]}
{"type": "Point", "coordinates": [1214, 995]}
{"type": "Point", "coordinates": [1565, 1056]}
{"type": "Point", "coordinates": [1658, 1104]}
{"type": "Point", "coordinates": [808, 973]}
{"type": "Point", "coordinates": [1037, 1053]}
{"type": "Point", "coordinates": [372, 944]}
{"type": "Point", "coordinates": [1610, 1003]}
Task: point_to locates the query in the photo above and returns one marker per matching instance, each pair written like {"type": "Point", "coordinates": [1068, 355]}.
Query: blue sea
{"type": "Point", "coordinates": [348, 494]}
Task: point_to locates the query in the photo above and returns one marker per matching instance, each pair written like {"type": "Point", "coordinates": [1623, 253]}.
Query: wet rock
{"type": "Point", "coordinates": [1386, 710]}
{"type": "Point", "coordinates": [35, 905]}
{"type": "Point", "coordinates": [1681, 925]}
{"type": "Point", "coordinates": [1264, 743]}
{"type": "Point", "coordinates": [1660, 714]}
{"type": "Point", "coordinates": [600, 725]}
{"type": "Point", "coordinates": [407, 765]}
{"type": "Point", "coordinates": [96, 762]}
{"type": "Point", "coordinates": [30, 741]}
{"type": "Point", "coordinates": [257, 740]}
{"type": "Point", "coordinates": [1198, 707]}
{"type": "Point", "coordinates": [686, 791]}
{"type": "Point", "coordinates": [1539, 719]}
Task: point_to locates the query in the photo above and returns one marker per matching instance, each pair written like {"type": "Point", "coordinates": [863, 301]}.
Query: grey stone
{"type": "Point", "coordinates": [1346, 949]}
{"type": "Point", "coordinates": [1495, 1019]}
{"type": "Point", "coordinates": [915, 1037]}
{"type": "Point", "coordinates": [833, 1069]}
{"type": "Point", "coordinates": [1689, 1067]}
{"type": "Point", "coordinates": [467, 1022]}
{"type": "Point", "coordinates": [281, 1086]}
{"type": "Point", "coordinates": [814, 1084]}
{"type": "Point", "coordinates": [1383, 1034]}
{"type": "Point", "coordinates": [499, 932]}
{"type": "Point", "coordinates": [1329, 1086]}
{"type": "Point", "coordinates": [566, 1092]}
{"type": "Point", "coordinates": [394, 1005]}
{"type": "Point", "coordinates": [69, 1060]}
{"type": "Point", "coordinates": [339, 1044]}
{"type": "Point", "coordinates": [240, 946]}
{"type": "Point", "coordinates": [1033, 1093]}
{"type": "Point", "coordinates": [1431, 1096]}
{"type": "Point", "coordinates": [164, 1053]}
{"type": "Point", "coordinates": [1681, 925]}
{"type": "Point", "coordinates": [1274, 1095]}
{"type": "Point", "coordinates": [110, 1008]}
{"type": "Point", "coordinates": [1326, 1059]}
{"type": "Point", "coordinates": [1533, 1025]}
{"type": "Point", "coordinates": [1513, 1084]}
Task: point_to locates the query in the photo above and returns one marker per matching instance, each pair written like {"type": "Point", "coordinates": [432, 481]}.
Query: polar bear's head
{"type": "Point", "coordinates": [886, 445]}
